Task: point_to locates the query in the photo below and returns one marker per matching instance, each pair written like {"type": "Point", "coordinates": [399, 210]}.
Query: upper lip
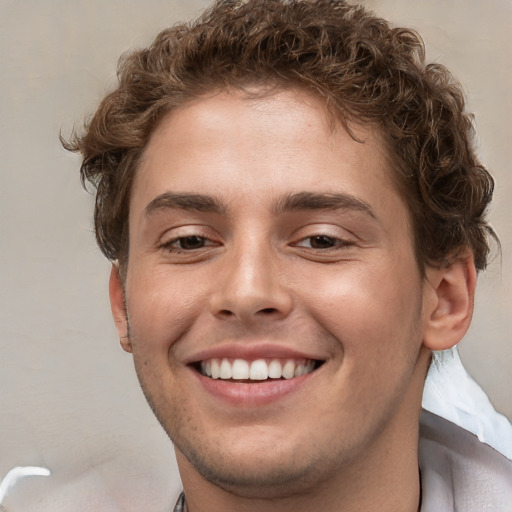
{"type": "Point", "coordinates": [250, 352]}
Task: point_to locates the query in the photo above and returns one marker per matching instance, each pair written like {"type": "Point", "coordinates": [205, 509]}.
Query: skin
{"type": "Point", "coordinates": [254, 274]}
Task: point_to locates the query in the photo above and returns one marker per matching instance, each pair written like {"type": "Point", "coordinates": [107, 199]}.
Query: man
{"type": "Point", "coordinates": [295, 216]}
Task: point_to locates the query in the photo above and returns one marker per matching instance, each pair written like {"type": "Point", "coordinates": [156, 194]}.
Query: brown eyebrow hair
{"type": "Point", "coordinates": [290, 202]}
{"type": "Point", "coordinates": [322, 201]}
{"type": "Point", "coordinates": [198, 202]}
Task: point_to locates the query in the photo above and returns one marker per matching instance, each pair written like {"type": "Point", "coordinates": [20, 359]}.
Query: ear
{"type": "Point", "coordinates": [449, 313]}
{"type": "Point", "coordinates": [118, 306]}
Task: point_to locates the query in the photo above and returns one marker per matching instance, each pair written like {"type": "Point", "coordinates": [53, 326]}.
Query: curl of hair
{"type": "Point", "coordinates": [365, 71]}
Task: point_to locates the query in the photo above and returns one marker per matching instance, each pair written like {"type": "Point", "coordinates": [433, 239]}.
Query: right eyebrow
{"type": "Point", "coordinates": [196, 202]}
{"type": "Point", "coordinates": [323, 201]}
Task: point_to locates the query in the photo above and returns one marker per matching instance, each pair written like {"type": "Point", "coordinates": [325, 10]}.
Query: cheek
{"type": "Point", "coordinates": [369, 310]}
{"type": "Point", "coordinates": [162, 307]}
{"type": "Point", "coordinates": [377, 330]}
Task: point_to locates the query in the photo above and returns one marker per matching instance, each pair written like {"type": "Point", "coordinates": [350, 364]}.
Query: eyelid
{"type": "Point", "coordinates": [174, 234]}
{"type": "Point", "coordinates": [178, 238]}
{"type": "Point", "coordinates": [341, 242]}
{"type": "Point", "coordinates": [321, 229]}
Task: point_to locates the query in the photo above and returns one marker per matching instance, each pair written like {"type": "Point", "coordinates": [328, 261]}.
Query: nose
{"type": "Point", "coordinates": [251, 286]}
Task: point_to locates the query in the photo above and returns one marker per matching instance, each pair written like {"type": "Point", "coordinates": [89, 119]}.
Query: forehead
{"type": "Point", "coordinates": [248, 148]}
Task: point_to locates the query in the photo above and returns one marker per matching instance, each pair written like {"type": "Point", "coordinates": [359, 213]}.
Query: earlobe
{"type": "Point", "coordinates": [449, 314]}
{"type": "Point", "coordinates": [117, 304]}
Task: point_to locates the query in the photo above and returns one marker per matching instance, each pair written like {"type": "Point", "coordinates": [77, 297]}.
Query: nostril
{"type": "Point", "coordinates": [268, 310]}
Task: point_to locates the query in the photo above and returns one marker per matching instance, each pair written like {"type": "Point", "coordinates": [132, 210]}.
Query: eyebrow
{"type": "Point", "coordinates": [290, 202]}
{"type": "Point", "coordinates": [196, 202]}
{"type": "Point", "coordinates": [322, 201]}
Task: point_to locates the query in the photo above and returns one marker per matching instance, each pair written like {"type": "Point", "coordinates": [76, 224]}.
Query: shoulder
{"type": "Point", "coordinates": [458, 472]}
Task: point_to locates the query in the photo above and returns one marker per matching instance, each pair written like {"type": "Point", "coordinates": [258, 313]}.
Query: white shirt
{"type": "Point", "coordinates": [458, 472]}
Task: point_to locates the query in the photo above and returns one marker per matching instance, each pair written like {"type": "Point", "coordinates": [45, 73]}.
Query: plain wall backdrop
{"type": "Point", "coordinates": [69, 396]}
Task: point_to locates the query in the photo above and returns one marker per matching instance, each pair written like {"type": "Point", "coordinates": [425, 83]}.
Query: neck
{"type": "Point", "coordinates": [383, 479]}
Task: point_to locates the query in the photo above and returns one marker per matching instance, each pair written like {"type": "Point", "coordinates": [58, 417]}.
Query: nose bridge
{"type": "Point", "coordinates": [251, 283]}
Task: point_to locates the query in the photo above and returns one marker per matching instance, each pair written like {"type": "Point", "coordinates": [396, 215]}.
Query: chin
{"type": "Point", "coordinates": [276, 473]}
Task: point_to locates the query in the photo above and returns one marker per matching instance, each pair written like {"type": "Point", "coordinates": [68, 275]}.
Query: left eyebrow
{"type": "Point", "coordinates": [322, 201]}
{"type": "Point", "coordinates": [196, 202]}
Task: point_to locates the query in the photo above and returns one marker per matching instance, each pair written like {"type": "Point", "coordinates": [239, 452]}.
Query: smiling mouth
{"type": "Point", "coordinates": [242, 370]}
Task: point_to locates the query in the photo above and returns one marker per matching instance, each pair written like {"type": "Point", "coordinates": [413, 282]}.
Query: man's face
{"type": "Point", "coordinates": [262, 240]}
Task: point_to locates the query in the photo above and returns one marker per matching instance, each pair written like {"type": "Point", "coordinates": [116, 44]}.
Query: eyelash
{"type": "Point", "coordinates": [201, 242]}
{"type": "Point", "coordinates": [170, 246]}
{"type": "Point", "coordinates": [337, 243]}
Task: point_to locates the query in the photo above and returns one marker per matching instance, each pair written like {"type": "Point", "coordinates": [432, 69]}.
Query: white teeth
{"type": "Point", "coordinates": [274, 369]}
{"type": "Point", "coordinates": [215, 369]}
{"type": "Point", "coordinates": [260, 369]}
{"type": "Point", "coordinates": [240, 369]}
{"type": "Point", "coordinates": [289, 370]}
{"type": "Point", "coordinates": [225, 370]}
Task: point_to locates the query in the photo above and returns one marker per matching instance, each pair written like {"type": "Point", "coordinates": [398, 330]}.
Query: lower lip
{"type": "Point", "coordinates": [253, 394]}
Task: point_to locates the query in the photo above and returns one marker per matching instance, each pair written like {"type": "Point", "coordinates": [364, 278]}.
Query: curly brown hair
{"type": "Point", "coordinates": [363, 69]}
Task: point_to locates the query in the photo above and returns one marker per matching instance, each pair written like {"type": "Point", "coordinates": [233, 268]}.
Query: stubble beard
{"type": "Point", "coordinates": [281, 477]}
{"type": "Point", "coordinates": [289, 477]}
{"type": "Point", "coordinates": [305, 473]}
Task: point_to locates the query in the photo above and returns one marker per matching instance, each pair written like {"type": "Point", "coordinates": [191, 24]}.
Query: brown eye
{"type": "Point", "coordinates": [322, 242]}
{"type": "Point", "coordinates": [188, 243]}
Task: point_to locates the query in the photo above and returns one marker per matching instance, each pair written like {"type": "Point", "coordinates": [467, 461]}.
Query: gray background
{"type": "Point", "coordinates": [69, 396]}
